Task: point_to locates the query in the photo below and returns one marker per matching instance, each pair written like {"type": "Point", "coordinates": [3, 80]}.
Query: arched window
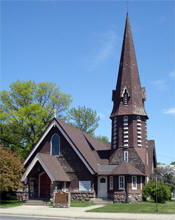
{"type": "Point", "coordinates": [125, 96]}
{"type": "Point", "coordinates": [55, 147]}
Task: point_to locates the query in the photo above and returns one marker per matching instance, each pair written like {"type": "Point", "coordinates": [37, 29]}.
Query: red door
{"type": "Point", "coordinates": [44, 186]}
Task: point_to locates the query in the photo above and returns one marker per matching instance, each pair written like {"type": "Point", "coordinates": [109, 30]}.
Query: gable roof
{"type": "Point", "coordinates": [123, 169]}
{"type": "Point", "coordinates": [126, 169]}
{"type": "Point", "coordinates": [51, 166]}
{"type": "Point", "coordinates": [86, 144]}
{"type": "Point", "coordinates": [83, 144]}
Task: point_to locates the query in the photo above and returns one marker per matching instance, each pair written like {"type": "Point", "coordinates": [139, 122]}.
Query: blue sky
{"type": "Point", "coordinates": [77, 45]}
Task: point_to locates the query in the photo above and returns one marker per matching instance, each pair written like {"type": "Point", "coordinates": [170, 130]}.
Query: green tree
{"type": "Point", "coordinates": [159, 163]}
{"type": "Point", "coordinates": [162, 192]}
{"type": "Point", "coordinates": [83, 118]}
{"type": "Point", "coordinates": [25, 111]}
{"type": "Point", "coordinates": [11, 169]}
{"type": "Point", "coordinates": [172, 163]}
{"type": "Point", "coordinates": [165, 174]}
{"type": "Point", "coordinates": [102, 138]}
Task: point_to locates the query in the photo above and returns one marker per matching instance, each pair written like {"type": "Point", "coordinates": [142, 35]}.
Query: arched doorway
{"type": "Point", "coordinates": [44, 185]}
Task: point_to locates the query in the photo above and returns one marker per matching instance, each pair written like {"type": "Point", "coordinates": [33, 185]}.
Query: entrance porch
{"type": "Point", "coordinates": [43, 176]}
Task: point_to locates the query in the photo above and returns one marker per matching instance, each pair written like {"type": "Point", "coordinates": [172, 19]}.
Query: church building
{"type": "Point", "coordinates": [65, 158]}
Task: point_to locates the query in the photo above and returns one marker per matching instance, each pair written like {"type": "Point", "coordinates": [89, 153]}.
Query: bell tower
{"type": "Point", "coordinates": [128, 114]}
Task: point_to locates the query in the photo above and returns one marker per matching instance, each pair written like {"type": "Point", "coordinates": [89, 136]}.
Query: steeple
{"type": "Point", "coordinates": [128, 115]}
{"type": "Point", "coordinates": [129, 97]}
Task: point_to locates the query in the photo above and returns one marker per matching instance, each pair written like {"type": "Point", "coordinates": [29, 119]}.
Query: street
{"type": "Point", "coordinates": [8, 217]}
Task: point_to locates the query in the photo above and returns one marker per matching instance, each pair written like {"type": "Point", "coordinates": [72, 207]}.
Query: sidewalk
{"type": "Point", "coordinates": [77, 212]}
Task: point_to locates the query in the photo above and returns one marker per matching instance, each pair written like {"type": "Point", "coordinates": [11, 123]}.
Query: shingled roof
{"type": "Point", "coordinates": [86, 145]}
{"type": "Point", "coordinates": [123, 169]}
{"type": "Point", "coordinates": [54, 167]}
{"type": "Point", "coordinates": [152, 153]}
{"type": "Point", "coordinates": [126, 169]}
{"type": "Point", "coordinates": [128, 77]}
{"type": "Point", "coordinates": [51, 166]}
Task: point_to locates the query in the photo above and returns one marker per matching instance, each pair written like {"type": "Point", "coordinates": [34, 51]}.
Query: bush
{"type": "Point", "coordinates": [163, 192]}
{"type": "Point", "coordinates": [11, 169]}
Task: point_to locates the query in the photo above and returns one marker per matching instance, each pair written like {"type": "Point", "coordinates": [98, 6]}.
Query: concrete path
{"type": "Point", "coordinates": [77, 212]}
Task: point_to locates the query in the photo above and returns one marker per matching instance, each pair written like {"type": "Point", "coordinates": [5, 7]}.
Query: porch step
{"type": "Point", "coordinates": [102, 201]}
{"type": "Point", "coordinates": [36, 202]}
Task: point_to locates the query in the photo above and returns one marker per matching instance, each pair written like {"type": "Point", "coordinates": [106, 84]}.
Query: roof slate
{"type": "Point", "coordinates": [123, 169]}
{"type": "Point", "coordinates": [80, 140]}
{"type": "Point", "coordinates": [128, 77]}
{"type": "Point", "coordinates": [126, 169]}
{"type": "Point", "coordinates": [54, 167]}
{"type": "Point", "coordinates": [151, 154]}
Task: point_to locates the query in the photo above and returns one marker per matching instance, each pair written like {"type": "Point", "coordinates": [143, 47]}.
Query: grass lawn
{"type": "Point", "coordinates": [9, 203]}
{"type": "Point", "coordinates": [77, 203]}
{"type": "Point", "coordinates": [142, 207]}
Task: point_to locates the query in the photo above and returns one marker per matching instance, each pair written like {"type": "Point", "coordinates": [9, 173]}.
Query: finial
{"type": "Point", "coordinates": [55, 113]}
{"type": "Point", "coordinates": [127, 7]}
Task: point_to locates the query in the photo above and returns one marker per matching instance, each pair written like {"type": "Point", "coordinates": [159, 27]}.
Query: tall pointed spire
{"type": "Point", "coordinates": [128, 97]}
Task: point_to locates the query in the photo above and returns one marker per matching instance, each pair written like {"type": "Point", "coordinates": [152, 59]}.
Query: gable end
{"type": "Point", "coordinates": [55, 123]}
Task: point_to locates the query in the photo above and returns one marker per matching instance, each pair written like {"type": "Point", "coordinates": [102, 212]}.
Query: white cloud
{"type": "Point", "coordinates": [108, 42]}
{"type": "Point", "coordinates": [160, 84]}
{"type": "Point", "coordinates": [170, 111]}
{"type": "Point", "coordinates": [101, 115]}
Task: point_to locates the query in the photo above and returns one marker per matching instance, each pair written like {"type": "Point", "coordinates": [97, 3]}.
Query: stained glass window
{"type": "Point", "coordinates": [55, 144]}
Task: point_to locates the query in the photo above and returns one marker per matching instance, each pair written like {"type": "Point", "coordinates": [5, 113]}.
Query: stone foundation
{"type": "Point", "coordinates": [82, 196]}
{"type": "Point", "coordinates": [22, 194]}
{"type": "Point", "coordinates": [121, 197]}
{"type": "Point", "coordinates": [134, 198]}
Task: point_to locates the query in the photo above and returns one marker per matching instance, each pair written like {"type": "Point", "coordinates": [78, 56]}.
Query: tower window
{"type": "Point", "coordinates": [125, 96]}
{"type": "Point", "coordinates": [125, 131]}
{"type": "Point", "coordinates": [125, 118]}
{"type": "Point", "coordinates": [126, 156]}
{"type": "Point", "coordinates": [139, 132]}
{"type": "Point", "coordinates": [55, 144]}
{"type": "Point", "coordinates": [114, 133]}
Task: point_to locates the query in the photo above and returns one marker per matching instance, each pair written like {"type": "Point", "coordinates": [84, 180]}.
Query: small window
{"type": "Point", "coordinates": [126, 156]}
{"type": "Point", "coordinates": [125, 118]}
{"type": "Point", "coordinates": [121, 182]}
{"type": "Point", "coordinates": [111, 183]}
{"type": "Point", "coordinates": [85, 185]}
{"type": "Point", "coordinates": [138, 118]}
{"type": "Point", "coordinates": [134, 182]}
{"type": "Point", "coordinates": [141, 180]}
{"type": "Point", "coordinates": [102, 180]}
{"type": "Point", "coordinates": [125, 98]}
{"type": "Point", "coordinates": [55, 148]}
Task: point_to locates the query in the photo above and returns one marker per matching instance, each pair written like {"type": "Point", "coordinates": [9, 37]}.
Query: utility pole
{"type": "Point", "coordinates": [156, 195]}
